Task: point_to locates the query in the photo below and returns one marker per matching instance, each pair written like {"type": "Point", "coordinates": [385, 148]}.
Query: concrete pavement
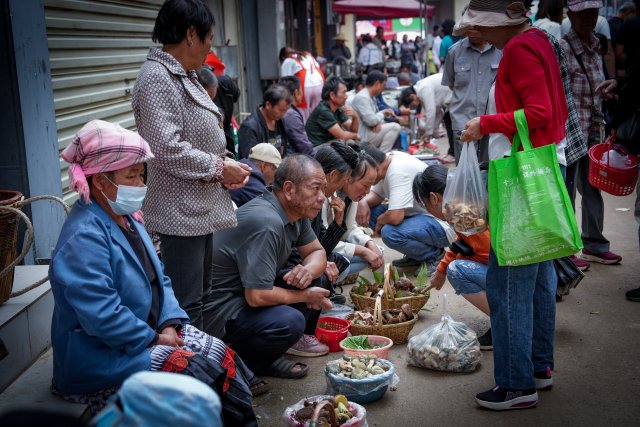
{"type": "Point", "coordinates": [597, 354]}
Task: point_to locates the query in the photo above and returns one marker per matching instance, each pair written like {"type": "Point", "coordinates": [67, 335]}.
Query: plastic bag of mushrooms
{"type": "Point", "coordinates": [446, 346]}
{"type": "Point", "coordinates": [464, 202]}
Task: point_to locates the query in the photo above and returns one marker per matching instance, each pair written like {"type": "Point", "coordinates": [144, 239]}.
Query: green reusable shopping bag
{"type": "Point", "coordinates": [530, 214]}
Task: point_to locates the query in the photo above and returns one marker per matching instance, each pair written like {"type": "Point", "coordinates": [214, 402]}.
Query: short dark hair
{"type": "Point", "coordinates": [177, 16]}
{"type": "Point", "coordinates": [206, 77]}
{"type": "Point", "coordinates": [431, 180]}
{"type": "Point", "coordinates": [294, 168]}
{"type": "Point", "coordinates": [374, 77]}
{"type": "Point", "coordinates": [282, 55]}
{"type": "Point", "coordinates": [276, 93]}
{"type": "Point", "coordinates": [292, 83]}
{"type": "Point", "coordinates": [336, 155]}
{"type": "Point", "coordinates": [406, 96]}
{"type": "Point", "coordinates": [550, 9]}
{"type": "Point", "coordinates": [373, 151]}
{"type": "Point", "coordinates": [366, 39]}
{"type": "Point", "coordinates": [331, 85]}
{"type": "Point", "coordinates": [447, 26]}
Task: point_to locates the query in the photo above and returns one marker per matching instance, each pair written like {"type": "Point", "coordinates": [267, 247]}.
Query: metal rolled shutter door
{"type": "Point", "coordinates": [96, 50]}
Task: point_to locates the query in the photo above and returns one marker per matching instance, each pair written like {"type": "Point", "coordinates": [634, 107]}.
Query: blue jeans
{"type": "Point", "coordinates": [420, 237]}
{"type": "Point", "coordinates": [260, 335]}
{"type": "Point", "coordinates": [522, 301]}
{"type": "Point", "coordinates": [467, 276]}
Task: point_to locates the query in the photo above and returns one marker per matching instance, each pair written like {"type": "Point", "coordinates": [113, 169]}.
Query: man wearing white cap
{"type": "Point", "coordinates": [263, 160]}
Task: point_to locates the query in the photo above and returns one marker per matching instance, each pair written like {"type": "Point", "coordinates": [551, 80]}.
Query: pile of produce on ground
{"type": "Point", "coordinates": [345, 413]}
{"type": "Point", "coordinates": [357, 367]}
{"type": "Point", "coordinates": [401, 286]}
{"type": "Point", "coordinates": [391, 316]}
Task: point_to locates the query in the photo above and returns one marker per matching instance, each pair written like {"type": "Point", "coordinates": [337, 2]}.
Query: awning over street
{"type": "Point", "coordinates": [380, 9]}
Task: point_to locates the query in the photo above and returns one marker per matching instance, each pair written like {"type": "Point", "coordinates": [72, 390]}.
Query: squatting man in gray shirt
{"type": "Point", "coordinates": [259, 310]}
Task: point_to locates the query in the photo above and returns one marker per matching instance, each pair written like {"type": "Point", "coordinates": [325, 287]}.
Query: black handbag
{"type": "Point", "coordinates": [568, 275]}
{"type": "Point", "coordinates": [628, 134]}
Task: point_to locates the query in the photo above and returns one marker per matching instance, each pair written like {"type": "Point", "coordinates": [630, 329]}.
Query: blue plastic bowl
{"type": "Point", "coordinates": [365, 390]}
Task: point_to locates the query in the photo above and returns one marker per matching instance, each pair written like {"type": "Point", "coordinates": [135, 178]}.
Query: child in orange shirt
{"type": "Point", "coordinates": [465, 262]}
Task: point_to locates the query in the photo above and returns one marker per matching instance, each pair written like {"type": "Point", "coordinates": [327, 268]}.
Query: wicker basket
{"type": "Point", "coordinates": [389, 300]}
{"type": "Point", "coordinates": [8, 240]}
{"type": "Point", "coordinates": [397, 332]}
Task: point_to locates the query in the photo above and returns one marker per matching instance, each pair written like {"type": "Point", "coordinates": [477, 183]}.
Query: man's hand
{"type": "Point", "coordinates": [471, 131]}
{"type": "Point", "coordinates": [332, 271]}
{"type": "Point", "coordinates": [316, 298]}
{"type": "Point", "coordinates": [235, 174]}
{"type": "Point", "coordinates": [170, 337]}
{"type": "Point", "coordinates": [363, 214]}
{"type": "Point", "coordinates": [337, 204]}
{"type": "Point", "coordinates": [389, 112]}
{"type": "Point", "coordinates": [437, 280]}
{"type": "Point", "coordinates": [378, 228]}
{"type": "Point", "coordinates": [348, 111]}
{"type": "Point", "coordinates": [374, 259]}
{"type": "Point", "coordinates": [377, 128]}
{"type": "Point", "coordinates": [404, 111]}
{"type": "Point", "coordinates": [298, 277]}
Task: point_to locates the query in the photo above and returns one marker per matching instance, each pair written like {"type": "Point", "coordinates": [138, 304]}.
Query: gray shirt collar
{"type": "Point", "coordinates": [271, 198]}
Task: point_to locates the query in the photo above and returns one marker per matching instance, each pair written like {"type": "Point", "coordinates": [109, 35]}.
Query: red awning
{"type": "Point", "coordinates": [378, 9]}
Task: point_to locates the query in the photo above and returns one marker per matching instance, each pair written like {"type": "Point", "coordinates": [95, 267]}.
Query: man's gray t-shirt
{"type": "Point", "coordinates": [250, 255]}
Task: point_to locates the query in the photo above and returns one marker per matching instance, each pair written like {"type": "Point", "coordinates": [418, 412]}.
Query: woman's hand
{"type": "Point", "coordinates": [170, 337]}
{"type": "Point", "coordinates": [437, 280]}
{"type": "Point", "coordinates": [374, 257]}
{"type": "Point", "coordinates": [337, 204]}
{"type": "Point", "coordinates": [471, 131]}
{"type": "Point", "coordinates": [235, 174]}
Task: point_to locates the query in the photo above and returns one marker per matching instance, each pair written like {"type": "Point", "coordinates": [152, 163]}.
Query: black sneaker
{"type": "Point", "coordinates": [501, 399]}
{"type": "Point", "coordinates": [633, 295]}
{"type": "Point", "coordinates": [405, 261]}
{"type": "Point", "coordinates": [543, 379]}
{"type": "Point", "coordinates": [485, 340]}
{"type": "Point", "coordinates": [338, 299]}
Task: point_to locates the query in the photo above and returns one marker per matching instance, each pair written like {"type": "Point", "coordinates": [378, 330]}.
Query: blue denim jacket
{"type": "Point", "coordinates": [102, 298]}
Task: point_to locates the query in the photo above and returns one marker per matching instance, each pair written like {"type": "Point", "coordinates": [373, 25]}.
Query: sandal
{"type": "Point", "coordinates": [258, 386]}
{"type": "Point", "coordinates": [283, 368]}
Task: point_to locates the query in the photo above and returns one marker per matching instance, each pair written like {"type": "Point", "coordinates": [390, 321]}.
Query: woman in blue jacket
{"type": "Point", "coordinates": [115, 312]}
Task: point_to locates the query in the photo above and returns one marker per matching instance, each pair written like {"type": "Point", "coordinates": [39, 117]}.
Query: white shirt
{"type": "Point", "coordinates": [397, 183]}
{"type": "Point", "coordinates": [436, 50]}
{"type": "Point", "coordinates": [370, 55]}
{"type": "Point", "coordinates": [353, 236]}
{"type": "Point", "coordinates": [435, 98]}
{"type": "Point", "coordinates": [312, 78]}
{"type": "Point", "coordinates": [549, 26]}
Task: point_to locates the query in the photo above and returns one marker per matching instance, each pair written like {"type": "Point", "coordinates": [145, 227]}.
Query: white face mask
{"type": "Point", "coordinates": [128, 199]}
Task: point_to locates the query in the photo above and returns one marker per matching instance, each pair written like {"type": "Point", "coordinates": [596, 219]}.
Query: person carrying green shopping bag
{"type": "Point", "coordinates": [521, 297]}
{"type": "Point", "coordinates": [530, 212]}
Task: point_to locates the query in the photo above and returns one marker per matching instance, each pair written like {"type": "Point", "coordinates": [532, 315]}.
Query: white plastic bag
{"type": "Point", "coordinates": [465, 199]}
{"type": "Point", "coordinates": [446, 346]}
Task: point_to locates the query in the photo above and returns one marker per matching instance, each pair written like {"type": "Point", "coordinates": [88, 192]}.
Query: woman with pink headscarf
{"type": "Point", "coordinates": [115, 312]}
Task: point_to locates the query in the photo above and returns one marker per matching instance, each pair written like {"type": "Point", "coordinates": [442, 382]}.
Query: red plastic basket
{"type": "Point", "coordinates": [616, 181]}
{"type": "Point", "coordinates": [332, 330]}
